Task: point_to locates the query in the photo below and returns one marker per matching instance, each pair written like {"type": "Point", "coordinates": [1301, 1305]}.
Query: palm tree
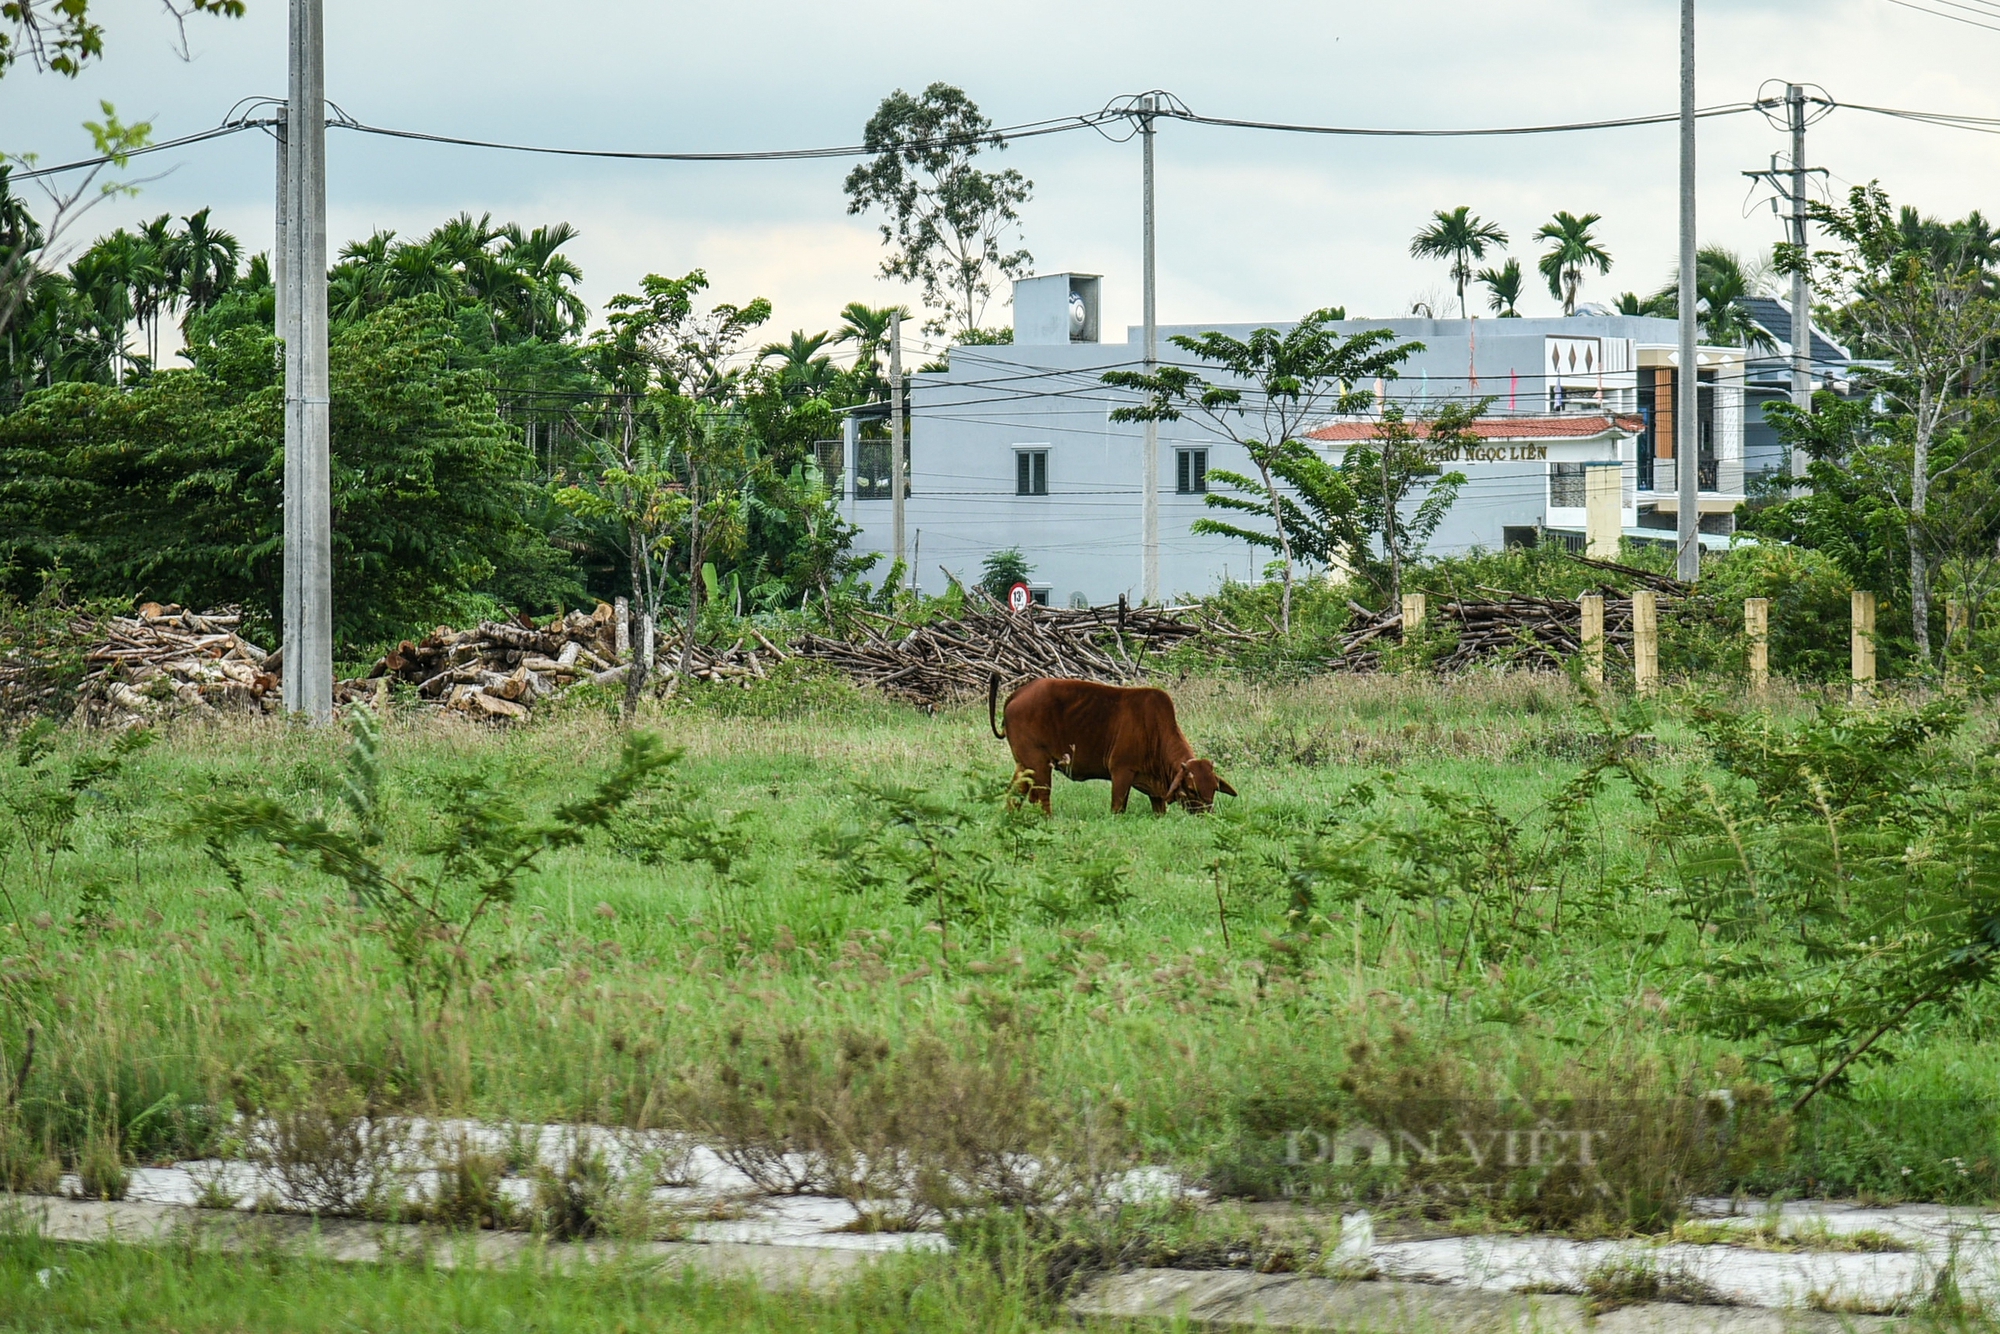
{"type": "Point", "coordinates": [1460, 236]}
{"type": "Point", "coordinates": [1503, 286]}
{"type": "Point", "coordinates": [805, 370]}
{"type": "Point", "coordinates": [356, 284]}
{"type": "Point", "coordinates": [1720, 285]}
{"type": "Point", "coordinates": [1572, 249]}
{"type": "Point", "coordinates": [203, 262]}
{"type": "Point", "coordinates": [547, 279]}
{"type": "Point", "coordinates": [157, 288]}
{"type": "Point", "coordinates": [867, 327]}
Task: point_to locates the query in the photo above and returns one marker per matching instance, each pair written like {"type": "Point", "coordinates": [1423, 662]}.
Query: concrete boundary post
{"type": "Point", "coordinates": [1757, 628]}
{"type": "Point", "coordinates": [1413, 613]}
{"type": "Point", "coordinates": [1646, 641]}
{"type": "Point", "coordinates": [1861, 651]}
{"type": "Point", "coordinates": [1592, 607]}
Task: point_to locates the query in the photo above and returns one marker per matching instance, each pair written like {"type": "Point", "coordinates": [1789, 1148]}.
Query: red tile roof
{"type": "Point", "coordinates": [1494, 428]}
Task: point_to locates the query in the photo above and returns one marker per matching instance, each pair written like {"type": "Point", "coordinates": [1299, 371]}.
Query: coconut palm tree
{"type": "Point", "coordinates": [1503, 287]}
{"type": "Point", "coordinates": [1720, 284]}
{"type": "Point", "coordinates": [1572, 249]}
{"type": "Point", "coordinates": [1460, 236]}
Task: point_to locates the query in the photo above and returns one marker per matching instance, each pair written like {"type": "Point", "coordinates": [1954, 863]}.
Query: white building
{"type": "Point", "coordinates": [1013, 446]}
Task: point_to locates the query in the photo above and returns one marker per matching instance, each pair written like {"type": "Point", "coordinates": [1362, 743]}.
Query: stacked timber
{"type": "Point", "coordinates": [167, 662]}
{"type": "Point", "coordinates": [936, 661]}
{"type": "Point", "coordinates": [1529, 633]}
{"type": "Point", "coordinates": [501, 669]}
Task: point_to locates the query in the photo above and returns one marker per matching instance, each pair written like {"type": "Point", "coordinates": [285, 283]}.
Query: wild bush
{"type": "Point", "coordinates": [465, 1189]}
{"type": "Point", "coordinates": [430, 913]}
{"type": "Point", "coordinates": [1843, 880]}
{"type": "Point", "coordinates": [326, 1150]}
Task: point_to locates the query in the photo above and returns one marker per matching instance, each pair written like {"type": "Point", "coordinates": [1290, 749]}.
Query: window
{"type": "Point", "coordinates": [1190, 471]}
{"type": "Point", "coordinates": [1566, 486]}
{"type": "Point", "coordinates": [1031, 472]}
{"type": "Point", "coordinates": [871, 469]}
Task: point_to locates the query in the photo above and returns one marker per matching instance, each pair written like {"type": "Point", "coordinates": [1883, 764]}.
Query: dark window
{"type": "Point", "coordinates": [1190, 471]}
{"type": "Point", "coordinates": [1512, 538]}
{"type": "Point", "coordinates": [1649, 378]}
{"type": "Point", "coordinates": [871, 469]}
{"type": "Point", "coordinates": [1705, 467]}
{"type": "Point", "coordinates": [827, 457]}
{"type": "Point", "coordinates": [1031, 472]}
{"type": "Point", "coordinates": [1039, 596]}
{"type": "Point", "coordinates": [1566, 486]}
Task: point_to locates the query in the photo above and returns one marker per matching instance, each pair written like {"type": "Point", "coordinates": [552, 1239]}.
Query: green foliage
{"type": "Point", "coordinates": [947, 220]}
{"type": "Point", "coordinates": [170, 490]}
{"type": "Point", "coordinates": [1001, 570]}
{"type": "Point", "coordinates": [1572, 249]}
{"type": "Point", "coordinates": [472, 864]}
{"type": "Point", "coordinates": [45, 791]}
{"type": "Point", "coordinates": [1844, 881]}
{"type": "Point", "coordinates": [62, 36]}
{"type": "Point", "coordinates": [1263, 392]}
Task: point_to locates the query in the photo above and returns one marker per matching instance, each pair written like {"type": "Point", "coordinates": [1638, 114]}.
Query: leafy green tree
{"type": "Point", "coordinates": [804, 369]}
{"type": "Point", "coordinates": [867, 327]}
{"type": "Point", "coordinates": [1001, 570]}
{"type": "Point", "coordinates": [1320, 514]}
{"type": "Point", "coordinates": [171, 489]}
{"type": "Point", "coordinates": [1401, 465]}
{"type": "Point", "coordinates": [1572, 249]}
{"type": "Point", "coordinates": [948, 223]}
{"type": "Point", "coordinates": [1503, 288]}
{"type": "Point", "coordinates": [1460, 236]}
{"type": "Point", "coordinates": [62, 36]}
{"type": "Point", "coordinates": [1265, 391]}
{"type": "Point", "coordinates": [1930, 316]}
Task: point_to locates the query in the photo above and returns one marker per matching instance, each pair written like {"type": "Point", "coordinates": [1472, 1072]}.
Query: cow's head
{"type": "Point", "coordinates": [1195, 785]}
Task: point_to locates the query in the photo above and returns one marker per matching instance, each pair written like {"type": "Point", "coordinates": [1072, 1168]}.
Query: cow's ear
{"type": "Point", "coordinates": [1222, 785]}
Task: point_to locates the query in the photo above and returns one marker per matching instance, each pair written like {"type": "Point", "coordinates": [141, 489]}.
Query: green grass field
{"type": "Point", "coordinates": [1092, 953]}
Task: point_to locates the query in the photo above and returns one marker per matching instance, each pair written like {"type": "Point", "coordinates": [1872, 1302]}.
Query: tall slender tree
{"type": "Point", "coordinates": [1572, 249]}
{"type": "Point", "coordinates": [1460, 236]}
{"type": "Point", "coordinates": [1503, 288]}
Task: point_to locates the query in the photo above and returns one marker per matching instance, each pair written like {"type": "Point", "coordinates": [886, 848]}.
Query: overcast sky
{"type": "Point", "coordinates": [1252, 226]}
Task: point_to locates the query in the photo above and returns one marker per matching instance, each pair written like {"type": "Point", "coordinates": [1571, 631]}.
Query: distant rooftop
{"type": "Point", "coordinates": [1494, 428]}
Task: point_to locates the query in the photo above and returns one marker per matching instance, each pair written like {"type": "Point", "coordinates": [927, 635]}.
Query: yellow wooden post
{"type": "Point", "coordinates": [1757, 629]}
{"type": "Point", "coordinates": [1861, 652]}
{"type": "Point", "coordinates": [1646, 641]}
{"type": "Point", "coordinates": [1592, 606]}
{"type": "Point", "coordinates": [1413, 613]}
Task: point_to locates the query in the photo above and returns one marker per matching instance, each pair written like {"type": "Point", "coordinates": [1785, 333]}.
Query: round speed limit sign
{"type": "Point", "coordinates": [1018, 597]}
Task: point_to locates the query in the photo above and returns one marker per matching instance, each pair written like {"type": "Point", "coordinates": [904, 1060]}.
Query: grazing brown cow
{"type": "Point", "coordinates": [1090, 730]}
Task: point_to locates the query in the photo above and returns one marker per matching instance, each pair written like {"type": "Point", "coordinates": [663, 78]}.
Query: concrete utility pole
{"type": "Point", "coordinates": [1795, 107]}
{"type": "Point", "coordinates": [308, 610]}
{"type": "Point", "coordinates": [1687, 426]}
{"type": "Point", "coordinates": [896, 444]}
{"type": "Point", "coordinates": [1149, 508]}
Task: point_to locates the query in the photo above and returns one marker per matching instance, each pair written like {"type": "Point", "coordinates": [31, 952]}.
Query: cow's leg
{"type": "Point", "coordinates": [1159, 805]}
{"type": "Point", "coordinates": [1121, 792]}
{"type": "Point", "coordinates": [1040, 784]}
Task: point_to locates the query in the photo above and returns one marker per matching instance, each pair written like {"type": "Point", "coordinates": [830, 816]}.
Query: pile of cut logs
{"type": "Point", "coordinates": [501, 668]}
{"type": "Point", "coordinates": [1534, 634]}
{"type": "Point", "coordinates": [166, 661]}
{"type": "Point", "coordinates": [939, 660]}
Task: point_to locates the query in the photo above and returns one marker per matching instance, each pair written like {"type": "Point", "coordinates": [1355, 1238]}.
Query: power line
{"type": "Point", "coordinates": [1955, 18]}
{"type": "Point", "coordinates": [216, 133]}
{"type": "Point", "coordinates": [1727, 109]}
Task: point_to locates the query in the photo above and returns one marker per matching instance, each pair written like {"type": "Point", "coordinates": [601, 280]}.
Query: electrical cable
{"type": "Point", "coordinates": [1955, 18]}
{"type": "Point", "coordinates": [183, 141]}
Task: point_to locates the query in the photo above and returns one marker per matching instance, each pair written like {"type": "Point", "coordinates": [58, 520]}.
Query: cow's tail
{"type": "Point", "coordinates": [993, 704]}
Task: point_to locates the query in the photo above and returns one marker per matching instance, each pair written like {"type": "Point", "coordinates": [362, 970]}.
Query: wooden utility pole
{"type": "Point", "coordinates": [1413, 613]}
{"type": "Point", "coordinates": [1645, 641]}
{"type": "Point", "coordinates": [1592, 607]}
{"type": "Point", "coordinates": [1687, 409]}
{"type": "Point", "coordinates": [1603, 509]}
{"type": "Point", "coordinates": [308, 583]}
{"type": "Point", "coordinates": [1757, 629]}
{"type": "Point", "coordinates": [896, 441]}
